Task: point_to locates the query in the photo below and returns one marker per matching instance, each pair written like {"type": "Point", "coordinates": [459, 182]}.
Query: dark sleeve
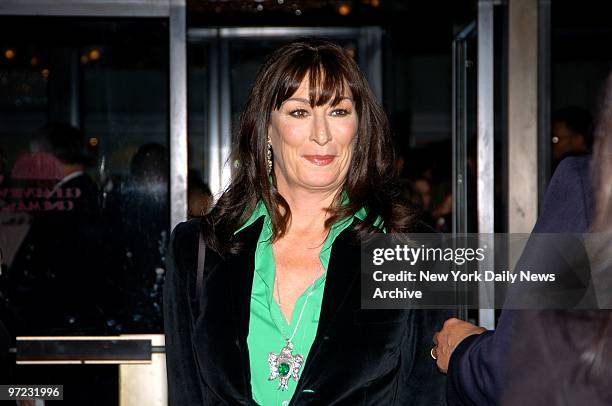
{"type": "Point", "coordinates": [425, 384]}
{"type": "Point", "coordinates": [567, 206]}
{"type": "Point", "coordinates": [477, 370]}
{"type": "Point", "coordinates": [184, 386]}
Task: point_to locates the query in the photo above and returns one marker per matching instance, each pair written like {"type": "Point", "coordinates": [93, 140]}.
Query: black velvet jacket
{"type": "Point", "coordinates": [358, 357]}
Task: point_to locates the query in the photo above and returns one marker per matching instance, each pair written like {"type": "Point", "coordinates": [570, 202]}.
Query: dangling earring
{"type": "Point", "coordinates": [269, 156]}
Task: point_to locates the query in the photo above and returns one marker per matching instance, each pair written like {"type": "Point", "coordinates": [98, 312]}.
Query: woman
{"type": "Point", "coordinates": [278, 318]}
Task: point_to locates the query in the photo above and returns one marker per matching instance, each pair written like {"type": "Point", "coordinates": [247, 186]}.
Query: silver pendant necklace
{"type": "Point", "coordinates": [284, 365]}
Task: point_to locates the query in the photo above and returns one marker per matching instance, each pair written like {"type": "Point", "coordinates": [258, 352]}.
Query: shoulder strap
{"type": "Point", "coordinates": [201, 260]}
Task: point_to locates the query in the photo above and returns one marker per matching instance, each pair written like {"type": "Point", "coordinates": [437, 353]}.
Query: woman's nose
{"type": "Point", "coordinates": [321, 133]}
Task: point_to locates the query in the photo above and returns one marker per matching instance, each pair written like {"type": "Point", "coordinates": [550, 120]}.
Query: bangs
{"type": "Point", "coordinates": [328, 79]}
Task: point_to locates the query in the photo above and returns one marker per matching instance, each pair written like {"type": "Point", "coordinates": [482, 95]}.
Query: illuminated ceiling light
{"type": "Point", "coordinates": [344, 9]}
{"type": "Point", "coordinates": [34, 61]}
{"type": "Point", "coordinates": [94, 54]}
{"type": "Point", "coordinates": [375, 3]}
{"type": "Point", "coordinates": [45, 73]}
{"type": "Point", "coordinates": [298, 12]}
{"type": "Point", "coordinates": [259, 7]}
{"type": "Point", "coordinates": [9, 53]}
{"type": "Point", "coordinates": [93, 141]}
{"type": "Point", "coordinates": [84, 59]}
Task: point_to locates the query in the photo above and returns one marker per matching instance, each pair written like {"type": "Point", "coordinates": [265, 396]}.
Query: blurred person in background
{"type": "Point", "coordinates": [54, 278]}
{"type": "Point", "coordinates": [140, 213]}
{"type": "Point", "coordinates": [199, 197]}
{"type": "Point", "coordinates": [136, 217]}
{"type": "Point", "coordinates": [67, 144]}
{"type": "Point", "coordinates": [572, 133]}
{"type": "Point", "coordinates": [425, 185]}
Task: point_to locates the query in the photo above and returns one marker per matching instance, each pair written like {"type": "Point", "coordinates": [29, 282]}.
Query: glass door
{"type": "Point", "coordinates": [480, 137]}
{"type": "Point", "coordinates": [85, 199]}
{"type": "Point", "coordinates": [464, 130]}
{"type": "Point", "coordinates": [476, 184]}
{"type": "Point", "coordinates": [464, 142]}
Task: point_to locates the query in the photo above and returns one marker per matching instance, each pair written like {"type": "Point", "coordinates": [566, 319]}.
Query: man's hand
{"type": "Point", "coordinates": [447, 339]}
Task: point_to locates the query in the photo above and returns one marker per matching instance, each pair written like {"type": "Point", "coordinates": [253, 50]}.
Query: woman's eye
{"type": "Point", "coordinates": [298, 113]}
{"type": "Point", "coordinates": [340, 112]}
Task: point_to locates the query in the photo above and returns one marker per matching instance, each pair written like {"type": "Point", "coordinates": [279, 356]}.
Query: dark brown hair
{"type": "Point", "coordinates": [602, 162]}
{"type": "Point", "coordinates": [597, 356]}
{"type": "Point", "coordinates": [370, 181]}
{"type": "Point", "coordinates": [595, 363]}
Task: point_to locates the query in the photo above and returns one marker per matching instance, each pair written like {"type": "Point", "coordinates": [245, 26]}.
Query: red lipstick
{"type": "Point", "coordinates": [320, 160]}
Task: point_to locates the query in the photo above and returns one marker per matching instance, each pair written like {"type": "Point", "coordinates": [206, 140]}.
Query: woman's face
{"type": "Point", "coordinates": [312, 146]}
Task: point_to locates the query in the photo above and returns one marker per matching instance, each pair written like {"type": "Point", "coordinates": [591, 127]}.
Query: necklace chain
{"type": "Point", "coordinates": [311, 287]}
{"type": "Point", "coordinates": [284, 365]}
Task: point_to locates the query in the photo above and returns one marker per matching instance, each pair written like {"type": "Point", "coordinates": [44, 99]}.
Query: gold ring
{"type": "Point", "coordinates": [431, 352]}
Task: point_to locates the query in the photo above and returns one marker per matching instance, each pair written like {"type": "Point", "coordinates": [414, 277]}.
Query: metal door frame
{"type": "Point", "coordinates": [485, 143]}
{"type": "Point", "coordinates": [485, 176]}
{"type": "Point", "coordinates": [459, 139]}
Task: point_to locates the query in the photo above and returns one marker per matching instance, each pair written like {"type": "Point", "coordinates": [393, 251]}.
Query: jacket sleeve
{"type": "Point", "coordinates": [476, 371]}
{"type": "Point", "coordinates": [184, 386]}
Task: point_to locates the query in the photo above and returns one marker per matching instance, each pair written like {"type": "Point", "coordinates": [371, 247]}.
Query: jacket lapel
{"type": "Point", "coordinates": [240, 269]}
{"type": "Point", "coordinates": [342, 274]}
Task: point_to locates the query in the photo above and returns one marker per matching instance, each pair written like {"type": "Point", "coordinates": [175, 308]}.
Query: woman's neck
{"type": "Point", "coordinates": [308, 209]}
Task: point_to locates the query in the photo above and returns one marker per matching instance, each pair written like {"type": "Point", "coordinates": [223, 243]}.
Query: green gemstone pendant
{"type": "Point", "coordinates": [283, 369]}
{"type": "Point", "coordinates": [285, 365]}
